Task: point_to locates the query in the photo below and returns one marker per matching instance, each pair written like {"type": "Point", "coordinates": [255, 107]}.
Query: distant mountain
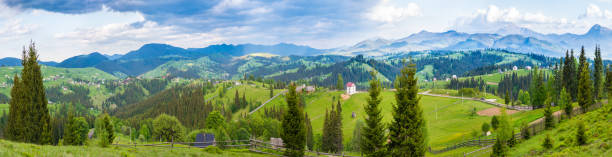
{"type": "Point", "coordinates": [510, 37]}
{"type": "Point", "coordinates": [11, 61]}
{"type": "Point", "coordinates": [113, 57]}
{"type": "Point", "coordinates": [83, 61]}
{"type": "Point", "coordinates": [150, 56]}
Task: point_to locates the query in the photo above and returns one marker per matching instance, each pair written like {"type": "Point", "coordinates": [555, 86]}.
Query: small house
{"type": "Point", "coordinates": [528, 67]}
{"type": "Point", "coordinates": [514, 68]}
{"type": "Point", "coordinates": [351, 88]}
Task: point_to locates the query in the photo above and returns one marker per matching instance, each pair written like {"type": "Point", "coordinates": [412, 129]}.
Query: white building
{"type": "Point", "coordinates": [528, 67]}
{"type": "Point", "coordinates": [351, 88]}
{"type": "Point", "coordinates": [514, 68]}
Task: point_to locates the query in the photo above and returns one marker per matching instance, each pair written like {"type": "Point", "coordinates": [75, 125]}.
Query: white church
{"type": "Point", "coordinates": [351, 88]}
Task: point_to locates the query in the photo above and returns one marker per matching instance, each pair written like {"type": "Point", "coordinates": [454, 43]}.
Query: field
{"type": "Point", "coordinates": [14, 149]}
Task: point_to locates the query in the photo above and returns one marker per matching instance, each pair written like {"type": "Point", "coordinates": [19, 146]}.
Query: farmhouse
{"type": "Point", "coordinates": [351, 88]}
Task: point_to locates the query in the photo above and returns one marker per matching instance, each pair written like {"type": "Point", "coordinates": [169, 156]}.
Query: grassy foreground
{"type": "Point", "coordinates": [598, 126]}
{"type": "Point", "coordinates": [8, 148]}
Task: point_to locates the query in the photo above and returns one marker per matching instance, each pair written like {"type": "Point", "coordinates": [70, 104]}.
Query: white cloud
{"type": "Point", "coordinates": [387, 11]}
{"type": "Point", "coordinates": [593, 11]}
{"type": "Point", "coordinates": [494, 18]}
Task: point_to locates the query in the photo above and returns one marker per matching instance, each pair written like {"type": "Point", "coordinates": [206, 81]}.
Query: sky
{"type": "Point", "coordinates": [65, 28]}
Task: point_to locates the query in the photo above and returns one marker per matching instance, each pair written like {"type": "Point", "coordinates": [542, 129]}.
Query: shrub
{"type": "Point", "coordinates": [548, 142]}
{"type": "Point", "coordinates": [212, 150]}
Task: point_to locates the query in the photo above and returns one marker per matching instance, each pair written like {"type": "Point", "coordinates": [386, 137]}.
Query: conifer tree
{"type": "Point", "coordinates": [548, 143]}
{"type": "Point", "coordinates": [237, 100]}
{"type": "Point", "coordinates": [293, 134]}
{"type": "Point", "coordinates": [374, 131]}
{"type": "Point", "coordinates": [327, 144]}
{"type": "Point", "coordinates": [340, 83]}
{"type": "Point", "coordinates": [585, 97]}
{"type": "Point", "coordinates": [494, 122]}
{"type": "Point", "coordinates": [538, 91]}
{"type": "Point", "coordinates": [525, 133]}
{"type": "Point", "coordinates": [31, 116]}
{"type": "Point", "coordinates": [338, 128]}
{"type": "Point", "coordinates": [569, 75]}
{"type": "Point", "coordinates": [507, 98]}
{"type": "Point", "coordinates": [549, 121]}
{"type": "Point", "coordinates": [407, 131]}
{"type": "Point", "coordinates": [504, 133]}
{"type": "Point", "coordinates": [598, 75]}
{"type": "Point", "coordinates": [580, 136]}
{"type": "Point", "coordinates": [565, 103]}
{"type": "Point", "coordinates": [309, 136]}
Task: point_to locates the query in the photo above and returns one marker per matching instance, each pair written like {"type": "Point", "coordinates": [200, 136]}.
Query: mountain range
{"type": "Point", "coordinates": [154, 59]}
{"type": "Point", "coordinates": [510, 38]}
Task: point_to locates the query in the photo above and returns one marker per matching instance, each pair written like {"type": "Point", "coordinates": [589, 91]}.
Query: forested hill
{"type": "Point", "coordinates": [430, 65]}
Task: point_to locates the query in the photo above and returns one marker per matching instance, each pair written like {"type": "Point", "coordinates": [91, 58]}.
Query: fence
{"type": "Point", "coordinates": [253, 145]}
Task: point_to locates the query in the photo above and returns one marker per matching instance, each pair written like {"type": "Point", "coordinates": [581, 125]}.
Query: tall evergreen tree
{"type": "Point", "coordinates": [565, 103]}
{"type": "Point", "coordinates": [340, 83]}
{"type": "Point", "coordinates": [537, 91]}
{"type": "Point", "coordinates": [338, 128]}
{"type": "Point", "coordinates": [407, 131]}
{"type": "Point", "coordinates": [327, 138]}
{"type": "Point", "coordinates": [549, 122]}
{"type": "Point", "coordinates": [585, 96]}
{"type": "Point", "coordinates": [31, 113]}
{"type": "Point", "coordinates": [309, 136]}
{"type": "Point", "coordinates": [507, 98]}
{"type": "Point", "coordinates": [374, 131]}
{"type": "Point", "coordinates": [504, 133]}
{"type": "Point", "coordinates": [569, 75]}
{"type": "Point", "coordinates": [598, 75]}
{"type": "Point", "coordinates": [293, 134]}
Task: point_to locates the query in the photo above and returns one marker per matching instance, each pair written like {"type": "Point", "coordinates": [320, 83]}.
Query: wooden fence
{"type": "Point", "coordinates": [253, 145]}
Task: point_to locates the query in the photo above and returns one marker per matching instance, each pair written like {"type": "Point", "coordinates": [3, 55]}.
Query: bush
{"type": "Point", "coordinates": [212, 150]}
{"type": "Point", "coordinates": [468, 92]}
{"type": "Point", "coordinates": [548, 142]}
{"type": "Point", "coordinates": [168, 128]}
{"type": "Point", "coordinates": [485, 127]}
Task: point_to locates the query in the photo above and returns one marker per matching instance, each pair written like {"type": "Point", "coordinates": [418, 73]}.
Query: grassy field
{"type": "Point", "coordinates": [14, 149]}
{"type": "Point", "coordinates": [598, 132]}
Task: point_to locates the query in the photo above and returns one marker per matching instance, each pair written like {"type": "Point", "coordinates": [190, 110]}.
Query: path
{"type": "Point", "coordinates": [267, 101]}
{"type": "Point", "coordinates": [520, 108]}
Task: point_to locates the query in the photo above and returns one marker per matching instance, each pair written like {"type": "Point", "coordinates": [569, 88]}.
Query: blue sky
{"type": "Point", "coordinates": [63, 29]}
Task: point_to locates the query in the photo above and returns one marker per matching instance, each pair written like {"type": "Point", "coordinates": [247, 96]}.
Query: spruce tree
{"type": "Point", "coordinates": [507, 98]}
{"type": "Point", "coordinates": [525, 133]}
{"type": "Point", "coordinates": [585, 97]}
{"type": "Point", "coordinates": [374, 131]}
{"type": "Point", "coordinates": [566, 103]}
{"type": "Point", "coordinates": [338, 128]}
{"type": "Point", "coordinates": [309, 136]}
{"type": "Point", "coordinates": [538, 91]}
{"type": "Point", "coordinates": [580, 136]}
{"type": "Point", "coordinates": [340, 83]}
{"type": "Point", "coordinates": [15, 128]}
{"type": "Point", "coordinates": [598, 75]}
{"type": "Point", "coordinates": [569, 75]}
{"type": "Point", "coordinates": [549, 121]}
{"type": "Point", "coordinates": [494, 122]}
{"type": "Point", "coordinates": [407, 131]}
{"type": "Point", "coordinates": [548, 143]}
{"type": "Point", "coordinates": [504, 133]}
{"type": "Point", "coordinates": [31, 113]}
{"type": "Point", "coordinates": [293, 134]}
{"type": "Point", "coordinates": [326, 141]}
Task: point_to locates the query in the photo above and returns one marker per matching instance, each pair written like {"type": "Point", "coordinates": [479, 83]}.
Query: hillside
{"type": "Point", "coordinates": [598, 133]}
{"type": "Point", "coordinates": [15, 149]}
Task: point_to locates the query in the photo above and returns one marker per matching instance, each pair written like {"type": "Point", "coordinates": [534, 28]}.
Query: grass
{"type": "Point", "coordinates": [453, 122]}
{"type": "Point", "coordinates": [598, 132]}
{"type": "Point", "coordinates": [15, 149]}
